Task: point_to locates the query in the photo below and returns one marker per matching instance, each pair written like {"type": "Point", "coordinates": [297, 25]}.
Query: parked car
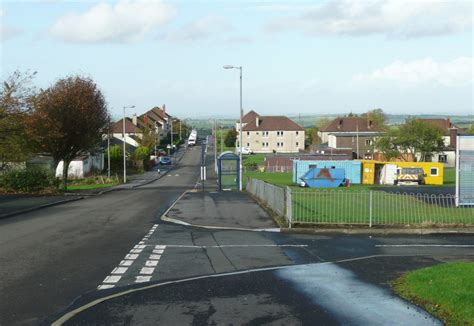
{"type": "Point", "coordinates": [165, 160]}
{"type": "Point", "coordinates": [245, 150]}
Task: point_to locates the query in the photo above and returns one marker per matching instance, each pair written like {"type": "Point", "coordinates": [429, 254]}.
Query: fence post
{"type": "Point", "coordinates": [370, 208]}
{"type": "Point", "coordinates": [289, 210]}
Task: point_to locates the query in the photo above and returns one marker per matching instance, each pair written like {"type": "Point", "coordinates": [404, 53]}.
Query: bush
{"type": "Point", "coordinates": [29, 180]}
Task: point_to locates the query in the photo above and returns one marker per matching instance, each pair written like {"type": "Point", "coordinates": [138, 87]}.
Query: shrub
{"type": "Point", "coordinates": [29, 180]}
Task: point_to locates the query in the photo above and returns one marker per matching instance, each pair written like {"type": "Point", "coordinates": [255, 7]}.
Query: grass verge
{"type": "Point", "coordinates": [91, 186]}
{"type": "Point", "coordinates": [446, 291]}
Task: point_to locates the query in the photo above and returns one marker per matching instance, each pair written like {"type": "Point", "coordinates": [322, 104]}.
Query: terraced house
{"type": "Point", "coordinates": [270, 134]}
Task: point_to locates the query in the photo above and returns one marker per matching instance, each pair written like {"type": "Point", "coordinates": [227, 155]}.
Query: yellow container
{"type": "Point", "coordinates": [434, 172]}
{"type": "Point", "coordinates": [368, 172]}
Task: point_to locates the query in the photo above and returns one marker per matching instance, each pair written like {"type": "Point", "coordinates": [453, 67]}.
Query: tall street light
{"type": "Point", "coordinates": [123, 138]}
{"type": "Point", "coordinates": [240, 124]}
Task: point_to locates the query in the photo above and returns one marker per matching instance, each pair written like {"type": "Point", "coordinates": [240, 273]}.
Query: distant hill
{"type": "Point", "coordinates": [307, 121]}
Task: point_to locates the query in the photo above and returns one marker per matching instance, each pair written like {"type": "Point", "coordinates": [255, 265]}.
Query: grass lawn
{"type": "Point", "coordinates": [449, 178]}
{"type": "Point", "coordinates": [90, 186]}
{"type": "Point", "coordinates": [446, 291]}
{"type": "Point", "coordinates": [351, 205]}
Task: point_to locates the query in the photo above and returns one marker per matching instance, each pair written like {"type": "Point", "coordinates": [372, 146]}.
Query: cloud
{"type": "Point", "coordinates": [201, 29]}
{"type": "Point", "coordinates": [393, 18]}
{"type": "Point", "coordinates": [457, 72]}
{"type": "Point", "coordinates": [6, 31]}
{"type": "Point", "coordinates": [125, 21]}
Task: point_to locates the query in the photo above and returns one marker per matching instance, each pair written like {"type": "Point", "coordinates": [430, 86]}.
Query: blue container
{"type": "Point", "coordinates": [325, 178]}
{"type": "Point", "coordinates": [353, 168]}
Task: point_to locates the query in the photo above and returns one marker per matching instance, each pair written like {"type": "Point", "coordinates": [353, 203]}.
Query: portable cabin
{"type": "Point", "coordinates": [353, 168]}
{"type": "Point", "coordinates": [378, 172]}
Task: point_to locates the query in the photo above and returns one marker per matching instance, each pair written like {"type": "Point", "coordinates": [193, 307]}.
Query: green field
{"type": "Point", "coordinates": [449, 178]}
{"type": "Point", "coordinates": [446, 291]}
{"type": "Point", "coordinates": [353, 205]}
{"type": "Point", "coordinates": [356, 207]}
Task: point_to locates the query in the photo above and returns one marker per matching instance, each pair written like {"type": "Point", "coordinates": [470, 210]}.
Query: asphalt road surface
{"type": "Point", "coordinates": [110, 260]}
{"type": "Point", "coordinates": [51, 256]}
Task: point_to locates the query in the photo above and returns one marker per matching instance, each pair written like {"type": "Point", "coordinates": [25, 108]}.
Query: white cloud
{"type": "Point", "coordinates": [201, 29]}
{"type": "Point", "coordinates": [457, 72]}
{"type": "Point", "coordinates": [394, 18]}
{"type": "Point", "coordinates": [125, 21]}
{"type": "Point", "coordinates": [6, 31]}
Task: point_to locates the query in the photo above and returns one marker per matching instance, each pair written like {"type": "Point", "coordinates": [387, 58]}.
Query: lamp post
{"type": "Point", "coordinates": [240, 124]}
{"type": "Point", "coordinates": [123, 138]}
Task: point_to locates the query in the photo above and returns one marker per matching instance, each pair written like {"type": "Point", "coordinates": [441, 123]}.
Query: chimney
{"type": "Point", "coordinates": [257, 121]}
{"type": "Point", "coordinates": [340, 124]}
{"type": "Point", "coordinates": [164, 109]}
{"type": "Point", "coordinates": [370, 124]}
{"type": "Point", "coordinates": [134, 119]}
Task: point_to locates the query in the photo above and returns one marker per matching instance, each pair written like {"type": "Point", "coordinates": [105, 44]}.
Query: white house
{"type": "Point", "coordinates": [82, 166]}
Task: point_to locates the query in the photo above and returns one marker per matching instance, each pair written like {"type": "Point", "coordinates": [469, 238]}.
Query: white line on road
{"type": "Point", "coordinates": [147, 270]}
{"type": "Point", "coordinates": [426, 245]}
{"type": "Point", "coordinates": [237, 246]}
{"type": "Point", "coordinates": [112, 279]}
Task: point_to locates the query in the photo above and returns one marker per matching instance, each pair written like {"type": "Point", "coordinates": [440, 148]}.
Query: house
{"type": "Point", "coordinates": [268, 134]}
{"type": "Point", "coordinates": [355, 133]}
{"type": "Point", "coordinates": [450, 132]}
{"type": "Point", "coordinates": [132, 132]}
{"type": "Point", "coordinates": [82, 166]}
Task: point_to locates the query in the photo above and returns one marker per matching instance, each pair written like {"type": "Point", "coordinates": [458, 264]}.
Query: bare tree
{"type": "Point", "coordinates": [68, 119]}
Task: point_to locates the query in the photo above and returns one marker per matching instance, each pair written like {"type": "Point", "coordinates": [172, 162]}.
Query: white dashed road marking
{"type": "Point", "coordinates": [425, 245]}
{"type": "Point", "coordinates": [117, 273]}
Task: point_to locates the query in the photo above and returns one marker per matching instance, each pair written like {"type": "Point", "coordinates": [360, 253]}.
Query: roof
{"type": "Point", "coordinates": [443, 124]}
{"type": "Point", "coordinates": [350, 124]}
{"type": "Point", "coordinates": [272, 123]}
{"type": "Point", "coordinates": [249, 117]}
{"type": "Point", "coordinates": [130, 128]}
{"type": "Point", "coordinates": [360, 134]}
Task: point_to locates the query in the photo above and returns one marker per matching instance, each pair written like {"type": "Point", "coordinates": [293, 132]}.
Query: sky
{"type": "Point", "coordinates": [297, 57]}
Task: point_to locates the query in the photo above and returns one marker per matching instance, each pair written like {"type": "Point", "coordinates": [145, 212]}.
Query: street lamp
{"type": "Point", "coordinates": [240, 124]}
{"type": "Point", "coordinates": [123, 138]}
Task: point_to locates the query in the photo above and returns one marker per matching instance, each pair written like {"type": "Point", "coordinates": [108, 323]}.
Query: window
{"type": "Point", "coordinates": [443, 158]}
{"type": "Point", "coordinates": [248, 144]}
{"type": "Point", "coordinates": [281, 144]}
{"type": "Point", "coordinates": [297, 144]}
{"type": "Point", "coordinates": [265, 134]}
{"type": "Point", "coordinates": [248, 133]}
{"type": "Point", "coordinates": [297, 133]}
{"type": "Point", "coordinates": [368, 142]}
{"type": "Point", "coordinates": [278, 144]}
{"type": "Point", "coordinates": [280, 133]}
{"type": "Point", "coordinates": [434, 172]}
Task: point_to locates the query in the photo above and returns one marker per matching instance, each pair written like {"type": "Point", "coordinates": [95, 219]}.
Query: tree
{"type": "Point", "coordinates": [388, 145]}
{"type": "Point", "coordinates": [15, 99]}
{"type": "Point", "coordinates": [230, 138]}
{"type": "Point", "coordinates": [415, 137]}
{"type": "Point", "coordinates": [116, 158]}
{"type": "Point", "coordinates": [68, 119]}
{"type": "Point", "coordinates": [377, 116]}
{"type": "Point", "coordinates": [150, 137]}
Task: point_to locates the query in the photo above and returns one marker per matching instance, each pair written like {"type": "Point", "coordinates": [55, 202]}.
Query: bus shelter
{"type": "Point", "coordinates": [228, 171]}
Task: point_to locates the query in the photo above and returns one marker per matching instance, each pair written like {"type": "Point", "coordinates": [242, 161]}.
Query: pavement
{"type": "Point", "coordinates": [221, 209]}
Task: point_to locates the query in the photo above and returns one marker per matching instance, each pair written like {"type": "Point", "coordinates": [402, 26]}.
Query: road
{"type": "Point", "coordinates": [111, 260]}
{"type": "Point", "coordinates": [51, 256]}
